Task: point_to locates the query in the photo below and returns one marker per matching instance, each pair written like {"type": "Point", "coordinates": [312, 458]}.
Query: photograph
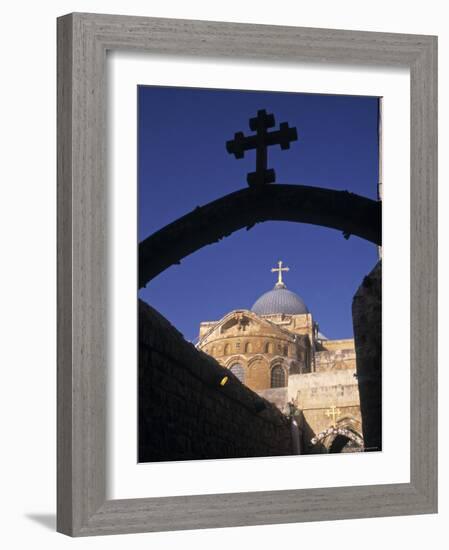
{"type": "Point", "coordinates": [259, 300]}
{"type": "Point", "coordinates": [247, 244]}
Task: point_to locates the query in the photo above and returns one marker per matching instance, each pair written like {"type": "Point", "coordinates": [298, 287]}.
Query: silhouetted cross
{"type": "Point", "coordinates": [260, 141]}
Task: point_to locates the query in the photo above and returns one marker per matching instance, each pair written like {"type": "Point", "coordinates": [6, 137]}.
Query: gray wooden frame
{"type": "Point", "coordinates": [83, 40]}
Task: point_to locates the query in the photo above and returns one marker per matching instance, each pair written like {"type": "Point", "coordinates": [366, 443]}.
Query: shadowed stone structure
{"type": "Point", "coordinates": [347, 212]}
{"type": "Point", "coordinates": [190, 407]}
{"type": "Point", "coordinates": [367, 320]}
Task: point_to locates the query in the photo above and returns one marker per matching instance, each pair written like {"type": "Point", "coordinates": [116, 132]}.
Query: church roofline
{"type": "Point", "coordinates": [251, 315]}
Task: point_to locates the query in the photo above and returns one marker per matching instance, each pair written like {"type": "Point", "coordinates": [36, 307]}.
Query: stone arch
{"type": "Point", "coordinates": [227, 349]}
{"type": "Point", "coordinates": [276, 360]}
{"type": "Point", "coordinates": [236, 358]}
{"type": "Point", "coordinates": [248, 347]}
{"type": "Point", "coordinates": [258, 357]}
{"type": "Point", "coordinates": [341, 210]}
{"type": "Point", "coordinates": [350, 423]}
{"type": "Point", "coordinates": [329, 436]}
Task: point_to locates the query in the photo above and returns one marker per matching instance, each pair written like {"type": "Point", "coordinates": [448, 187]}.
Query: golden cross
{"type": "Point", "coordinates": [334, 412]}
{"type": "Point", "coordinates": [279, 269]}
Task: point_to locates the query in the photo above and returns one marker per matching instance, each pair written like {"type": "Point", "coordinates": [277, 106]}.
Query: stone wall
{"type": "Point", "coordinates": [337, 359]}
{"type": "Point", "coordinates": [367, 320]}
{"type": "Point", "coordinates": [315, 393]}
{"type": "Point", "coordinates": [278, 396]}
{"type": "Point", "coordinates": [184, 411]}
{"type": "Point", "coordinates": [335, 355]}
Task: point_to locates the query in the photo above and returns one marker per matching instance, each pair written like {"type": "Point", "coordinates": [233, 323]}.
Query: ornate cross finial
{"type": "Point", "coordinates": [260, 141]}
{"type": "Point", "coordinates": [333, 412]}
{"type": "Point", "coordinates": [279, 269]}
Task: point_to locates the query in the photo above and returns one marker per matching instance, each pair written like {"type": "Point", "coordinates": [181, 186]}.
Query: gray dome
{"type": "Point", "coordinates": [279, 300]}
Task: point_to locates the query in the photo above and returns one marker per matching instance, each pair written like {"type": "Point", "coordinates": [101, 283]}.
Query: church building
{"type": "Point", "coordinates": [277, 350]}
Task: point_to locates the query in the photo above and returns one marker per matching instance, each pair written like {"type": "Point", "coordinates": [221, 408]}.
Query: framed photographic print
{"type": "Point", "coordinates": [274, 346]}
{"type": "Point", "coordinates": [247, 274]}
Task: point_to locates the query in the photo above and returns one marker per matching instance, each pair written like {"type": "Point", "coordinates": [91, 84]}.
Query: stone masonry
{"type": "Point", "coordinates": [367, 319]}
{"type": "Point", "coordinates": [186, 411]}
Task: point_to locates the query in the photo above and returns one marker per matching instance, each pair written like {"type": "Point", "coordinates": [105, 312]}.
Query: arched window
{"type": "Point", "coordinates": [248, 347]}
{"type": "Point", "coordinates": [227, 349]}
{"type": "Point", "coordinates": [285, 351]}
{"type": "Point", "coordinates": [277, 377]}
{"type": "Point", "coordinates": [268, 347]}
{"type": "Point", "coordinates": [238, 371]}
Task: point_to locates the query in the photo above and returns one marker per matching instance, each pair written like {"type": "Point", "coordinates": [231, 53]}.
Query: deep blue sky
{"type": "Point", "coordinates": [183, 163]}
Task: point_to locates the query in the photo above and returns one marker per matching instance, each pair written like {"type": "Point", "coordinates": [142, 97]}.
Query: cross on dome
{"type": "Point", "coordinates": [279, 269]}
{"type": "Point", "coordinates": [279, 299]}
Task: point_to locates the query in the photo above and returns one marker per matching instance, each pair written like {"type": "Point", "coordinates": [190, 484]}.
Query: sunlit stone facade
{"type": "Point", "coordinates": [277, 351]}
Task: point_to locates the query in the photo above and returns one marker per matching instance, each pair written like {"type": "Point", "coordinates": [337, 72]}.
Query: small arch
{"type": "Point", "coordinates": [227, 349]}
{"type": "Point", "coordinates": [339, 440]}
{"type": "Point", "coordinates": [278, 377]}
{"type": "Point", "coordinates": [256, 359]}
{"type": "Point", "coordinates": [248, 347]}
{"type": "Point", "coordinates": [285, 351]}
{"type": "Point", "coordinates": [268, 347]}
{"type": "Point", "coordinates": [213, 350]}
{"type": "Point", "coordinates": [238, 370]}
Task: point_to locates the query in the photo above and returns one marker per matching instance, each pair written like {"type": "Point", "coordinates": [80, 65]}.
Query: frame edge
{"type": "Point", "coordinates": [79, 508]}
